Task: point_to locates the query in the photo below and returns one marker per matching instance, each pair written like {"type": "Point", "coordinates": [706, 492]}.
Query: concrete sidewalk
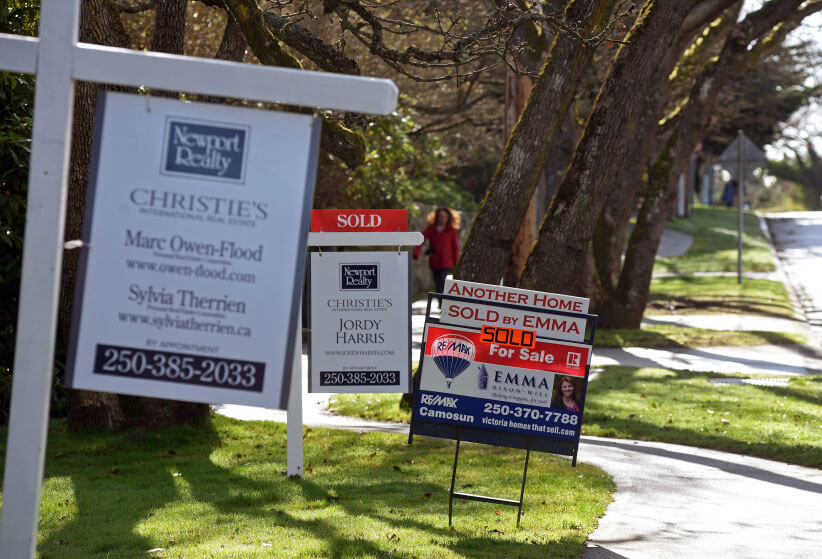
{"type": "Point", "coordinates": [771, 360]}
{"type": "Point", "coordinates": [749, 360]}
{"type": "Point", "coordinates": [687, 502]}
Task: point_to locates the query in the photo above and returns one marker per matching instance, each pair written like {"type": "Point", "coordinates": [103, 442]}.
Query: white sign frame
{"type": "Point", "coordinates": [147, 257]}
{"type": "Point", "coordinates": [389, 324]}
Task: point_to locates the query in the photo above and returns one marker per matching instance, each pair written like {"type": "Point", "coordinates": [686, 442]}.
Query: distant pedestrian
{"type": "Point", "coordinates": [729, 193]}
{"type": "Point", "coordinates": [443, 245]}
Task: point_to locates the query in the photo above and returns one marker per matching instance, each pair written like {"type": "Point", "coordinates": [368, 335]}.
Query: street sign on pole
{"type": "Point", "coordinates": [58, 59]}
{"type": "Point", "coordinates": [741, 158]}
{"type": "Point", "coordinates": [752, 160]}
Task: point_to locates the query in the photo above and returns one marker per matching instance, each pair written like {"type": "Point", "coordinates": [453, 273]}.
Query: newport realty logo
{"type": "Point", "coordinates": [205, 150]}
{"type": "Point", "coordinates": [355, 277]}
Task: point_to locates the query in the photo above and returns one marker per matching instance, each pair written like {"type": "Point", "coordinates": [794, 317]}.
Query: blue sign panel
{"type": "Point", "coordinates": [490, 414]}
{"type": "Point", "coordinates": [204, 150]}
{"type": "Point", "coordinates": [359, 277]}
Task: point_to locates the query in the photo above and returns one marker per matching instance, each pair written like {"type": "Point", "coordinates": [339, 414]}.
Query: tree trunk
{"type": "Point", "coordinates": [169, 27]}
{"type": "Point", "coordinates": [813, 175]}
{"type": "Point", "coordinates": [487, 251]}
{"type": "Point", "coordinates": [628, 101]}
{"type": "Point", "coordinates": [612, 150]}
{"type": "Point", "coordinates": [153, 413]}
{"type": "Point", "coordinates": [609, 236]}
{"type": "Point", "coordinates": [517, 89]}
{"type": "Point", "coordinates": [233, 45]}
{"type": "Point", "coordinates": [101, 24]}
{"type": "Point", "coordinates": [627, 305]}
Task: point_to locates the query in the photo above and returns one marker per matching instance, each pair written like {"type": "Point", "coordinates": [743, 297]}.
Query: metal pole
{"type": "Point", "coordinates": [294, 413]}
{"type": "Point", "coordinates": [453, 480]}
{"type": "Point", "coordinates": [40, 282]}
{"type": "Point", "coordinates": [740, 177]}
{"type": "Point", "coordinates": [522, 490]}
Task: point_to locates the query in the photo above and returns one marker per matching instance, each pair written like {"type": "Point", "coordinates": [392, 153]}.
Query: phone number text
{"type": "Point", "coordinates": [179, 367]}
{"type": "Point", "coordinates": [520, 412]}
{"type": "Point", "coordinates": [359, 378]}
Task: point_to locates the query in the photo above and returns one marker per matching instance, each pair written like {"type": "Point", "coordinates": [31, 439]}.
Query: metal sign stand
{"type": "Point", "coordinates": [484, 498]}
{"type": "Point", "coordinates": [528, 444]}
{"type": "Point", "coordinates": [58, 59]}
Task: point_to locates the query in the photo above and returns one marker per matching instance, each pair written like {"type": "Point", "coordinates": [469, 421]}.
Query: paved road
{"type": "Point", "coordinates": [688, 503]}
{"type": "Point", "coordinates": [797, 238]}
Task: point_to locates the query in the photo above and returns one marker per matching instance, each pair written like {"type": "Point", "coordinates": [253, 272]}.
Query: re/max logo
{"type": "Point", "coordinates": [437, 400]}
{"type": "Point", "coordinates": [195, 148]}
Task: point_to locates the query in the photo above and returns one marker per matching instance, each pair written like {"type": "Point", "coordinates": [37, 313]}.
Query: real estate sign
{"type": "Point", "coordinates": [360, 322]}
{"type": "Point", "coordinates": [194, 250]}
{"type": "Point", "coordinates": [503, 373]}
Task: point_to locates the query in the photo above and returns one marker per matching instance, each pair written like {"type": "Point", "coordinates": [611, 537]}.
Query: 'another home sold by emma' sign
{"type": "Point", "coordinates": [196, 227]}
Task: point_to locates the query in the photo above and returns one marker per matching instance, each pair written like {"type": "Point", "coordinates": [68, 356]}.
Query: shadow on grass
{"type": "Point", "coordinates": [138, 482]}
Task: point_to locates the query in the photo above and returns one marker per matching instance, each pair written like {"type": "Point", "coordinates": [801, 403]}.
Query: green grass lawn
{"type": "Point", "coordinates": [220, 491]}
{"type": "Point", "coordinates": [719, 294]}
{"type": "Point", "coordinates": [670, 336]}
{"type": "Point", "coordinates": [715, 243]}
{"type": "Point", "coordinates": [780, 423]}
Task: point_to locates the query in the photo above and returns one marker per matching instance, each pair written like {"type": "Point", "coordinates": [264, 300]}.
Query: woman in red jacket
{"type": "Point", "coordinates": [443, 245]}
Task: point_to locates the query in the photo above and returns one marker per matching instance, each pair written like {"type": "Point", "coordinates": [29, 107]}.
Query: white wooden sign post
{"type": "Point", "coordinates": [58, 59]}
{"type": "Point", "coordinates": [361, 236]}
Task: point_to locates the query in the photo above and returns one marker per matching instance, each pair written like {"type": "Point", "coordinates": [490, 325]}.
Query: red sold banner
{"type": "Point", "coordinates": [565, 359]}
{"type": "Point", "coordinates": [340, 221]}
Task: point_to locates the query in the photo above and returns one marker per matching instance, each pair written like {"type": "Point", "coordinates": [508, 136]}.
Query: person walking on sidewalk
{"type": "Point", "coordinates": [443, 244]}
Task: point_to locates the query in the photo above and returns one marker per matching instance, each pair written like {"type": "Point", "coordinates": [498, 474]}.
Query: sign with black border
{"type": "Point", "coordinates": [360, 305]}
{"type": "Point", "coordinates": [502, 384]}
{"type": "Point", "coordinates": [194, 251]}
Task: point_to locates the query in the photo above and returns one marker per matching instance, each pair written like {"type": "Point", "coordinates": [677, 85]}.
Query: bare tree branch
{"type": "Point", "coordinates": [133, 6]}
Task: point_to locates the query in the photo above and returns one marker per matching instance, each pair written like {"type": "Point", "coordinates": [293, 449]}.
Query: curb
{"type": "Point", "coordinates": [785, 279]}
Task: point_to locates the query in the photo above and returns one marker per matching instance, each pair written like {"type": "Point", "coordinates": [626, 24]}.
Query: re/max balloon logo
{"type": "Point", "coordinates": [452, 354]}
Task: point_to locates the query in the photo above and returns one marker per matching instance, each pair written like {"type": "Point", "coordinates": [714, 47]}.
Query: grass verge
{"type": "Point", "coordinates": [776, 422]}
{"type": "Point", "coordinates": [219, 491]}
{"type": "Point", "coordinates": [668, 335]}
{"type": "Point", "coordinates": [719, 294]}
{"type": "Point", "coordinates": [715, 243]}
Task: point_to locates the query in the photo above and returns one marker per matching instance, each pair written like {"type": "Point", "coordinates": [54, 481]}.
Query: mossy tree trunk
{"type": "Point", "coordinates": [100, 23]}
{"type": "Point", "coordinates": [625, 305]}
{"type": "Point", "coordinates": [628, 102]}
